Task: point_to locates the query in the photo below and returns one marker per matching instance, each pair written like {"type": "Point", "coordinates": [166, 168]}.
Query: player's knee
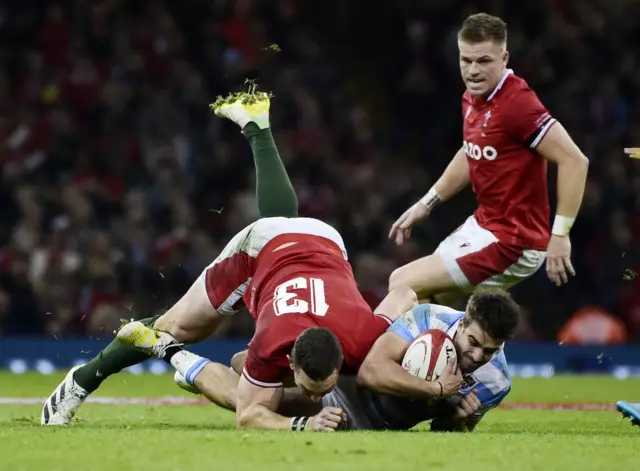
{"type": "Point", "coordinates": [407, 295]}
{"type": "Point", "coordinates": [238, 361]}
{"type": "Point", "coordinates": [395, 279]}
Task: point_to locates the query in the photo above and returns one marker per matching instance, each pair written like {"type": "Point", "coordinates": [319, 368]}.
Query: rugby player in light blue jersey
{"type": "Point", "coordinates": [385, 396]}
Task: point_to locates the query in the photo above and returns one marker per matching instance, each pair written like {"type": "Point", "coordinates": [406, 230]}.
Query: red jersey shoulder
{"type": "Point", "coordinates": [512, 114]}
{"type": "Point", "coordinates": [522, 115]}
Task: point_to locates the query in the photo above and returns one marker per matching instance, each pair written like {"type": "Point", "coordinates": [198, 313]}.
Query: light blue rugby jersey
{"type": "Point", "coordinates": [491, 381]}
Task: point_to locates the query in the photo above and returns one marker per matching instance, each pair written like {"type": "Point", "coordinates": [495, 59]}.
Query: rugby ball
{"type": "Point", "coordinates": [427, 356]}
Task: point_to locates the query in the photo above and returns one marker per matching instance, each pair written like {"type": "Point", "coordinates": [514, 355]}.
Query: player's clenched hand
{"type": "Point", "coordinates": [450, 380]}
{"type": "Point", "coordinates": [468, 405]}
{"type": "Point", "coordinates": [401, 229]}
{"type": "Point", "coordinates": [328, 419]}
{"type": "Point", "coordinates": [559, 265]}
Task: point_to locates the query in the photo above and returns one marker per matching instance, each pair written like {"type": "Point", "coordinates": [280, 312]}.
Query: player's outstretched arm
{"type": "Point", "coordinates": [381, 372]}
{"type": "Point", "coordinates": [257, 405]}
{"type": "Point", "coordinates": [454, 179]}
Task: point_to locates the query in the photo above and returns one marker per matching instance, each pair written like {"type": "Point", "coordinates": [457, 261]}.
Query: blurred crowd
{"type": "Point", "coordinates": [117, 185]}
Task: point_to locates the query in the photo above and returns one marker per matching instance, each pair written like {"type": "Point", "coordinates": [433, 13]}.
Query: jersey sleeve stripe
{"type": "Point", "coordinates": [260, 384]}
{"type": "Point", "coordinates": [385, 318]}
{"type": "Point", "coordinates": [423, 319]}
{"type": "Point", "coordinates": [542, 132]}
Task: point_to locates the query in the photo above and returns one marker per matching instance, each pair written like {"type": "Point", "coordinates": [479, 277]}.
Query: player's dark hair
{"type": "Point", "coordinates": [483, 27]}
{"type": "Point", "coordinates": [317, 352]}
{"type": "Point", "coordinates": [496, 312]}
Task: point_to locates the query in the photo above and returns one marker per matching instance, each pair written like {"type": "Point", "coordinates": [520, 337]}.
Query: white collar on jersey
{"type": "Point", "coordinates": [500, 84]}
{"type": "Point", "coordinates": [451, 331]}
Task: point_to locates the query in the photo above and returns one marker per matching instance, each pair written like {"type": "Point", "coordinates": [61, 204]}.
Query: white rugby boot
{"type": "Point", "coordinates": [64, 402]}
{"type": "Point", "coordinates": [150, 341]}
{"type": "Point", "coordinates": [182, 383]}
{"type": "Point", "coordinates": [244, 107]}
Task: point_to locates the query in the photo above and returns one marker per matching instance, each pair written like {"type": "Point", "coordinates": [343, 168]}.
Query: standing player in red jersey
{"type": "Point", "coordinates": [508, 138]}
{"type": "Point", "coordinates": [292, 274]}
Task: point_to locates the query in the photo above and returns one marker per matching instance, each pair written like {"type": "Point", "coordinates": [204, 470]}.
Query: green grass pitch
{"type": "Point", "coordinates": [531, 432]}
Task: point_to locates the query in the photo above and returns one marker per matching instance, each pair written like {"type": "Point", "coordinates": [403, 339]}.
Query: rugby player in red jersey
{"type": "Point", "coordinates": [508, 138]}
{"type": "Point", "coordinates": [293, 275]}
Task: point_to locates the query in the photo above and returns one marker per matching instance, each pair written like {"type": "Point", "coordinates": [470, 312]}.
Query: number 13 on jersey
{"type": "Point", "coordinates": [286, 302]}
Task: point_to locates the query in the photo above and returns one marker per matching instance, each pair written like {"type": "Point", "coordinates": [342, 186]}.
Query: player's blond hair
{"type": "Point", "coordinates": [483, 27]}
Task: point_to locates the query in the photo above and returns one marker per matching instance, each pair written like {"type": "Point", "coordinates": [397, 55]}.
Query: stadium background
{"type": "Point", "coordinates": [117, 185]}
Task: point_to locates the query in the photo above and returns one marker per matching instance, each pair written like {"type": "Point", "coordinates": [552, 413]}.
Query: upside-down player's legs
{"type": "Point", "coordinates": [217, 293]}
{"type": "Point", "coordinates": [274, 192]}
{"type": "Point", "coordinates": [191, 319]}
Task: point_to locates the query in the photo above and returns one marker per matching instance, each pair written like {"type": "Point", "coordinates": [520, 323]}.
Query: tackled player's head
{"type": "Point", "coordinates": [492, 317]}
{"type": "Point", "coordinates": [316, 360]}
{"type": "Point", "coordinates": [482, 41]}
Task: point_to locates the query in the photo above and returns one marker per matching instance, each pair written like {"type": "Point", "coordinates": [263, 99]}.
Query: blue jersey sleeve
{"type": "Point", "coordinates": [424, 317]}
{"type": "Point", "coordinates": [489, 400]}
{"type": "Point", "coordinates": [492, 384]}
{"type": "Point", "coordinates": [412, 323]}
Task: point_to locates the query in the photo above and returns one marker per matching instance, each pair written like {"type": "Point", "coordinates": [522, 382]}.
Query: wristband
{"type": "Point", "coordinates": [431, 199]}
{"type": "Point", "coordinates": [562, 225]}
{"type": "Point", "coordinates": [441, 390]}
{"type": "Point", "coordinates": [299, 424]}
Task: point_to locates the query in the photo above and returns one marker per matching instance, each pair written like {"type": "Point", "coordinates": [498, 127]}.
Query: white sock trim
{"type": "Point", "coordinates": [189, 365]}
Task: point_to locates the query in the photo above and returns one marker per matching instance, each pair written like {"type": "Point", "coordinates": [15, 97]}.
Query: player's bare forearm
{"type": "Point", "coordinates": [572, 177]}
{"type": "Point", "coordinates": [256, 407]}
{"type": "Point", "coordinates": [388, 377]}
{"type": "Point", "coordinates": [455, 177]}
{"type": "Point", "coordinates": [558, 147]}
{"type": "Point", "coordinates": [382, 373]}
{"type": "Point", "coordinates": [257, 416]}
